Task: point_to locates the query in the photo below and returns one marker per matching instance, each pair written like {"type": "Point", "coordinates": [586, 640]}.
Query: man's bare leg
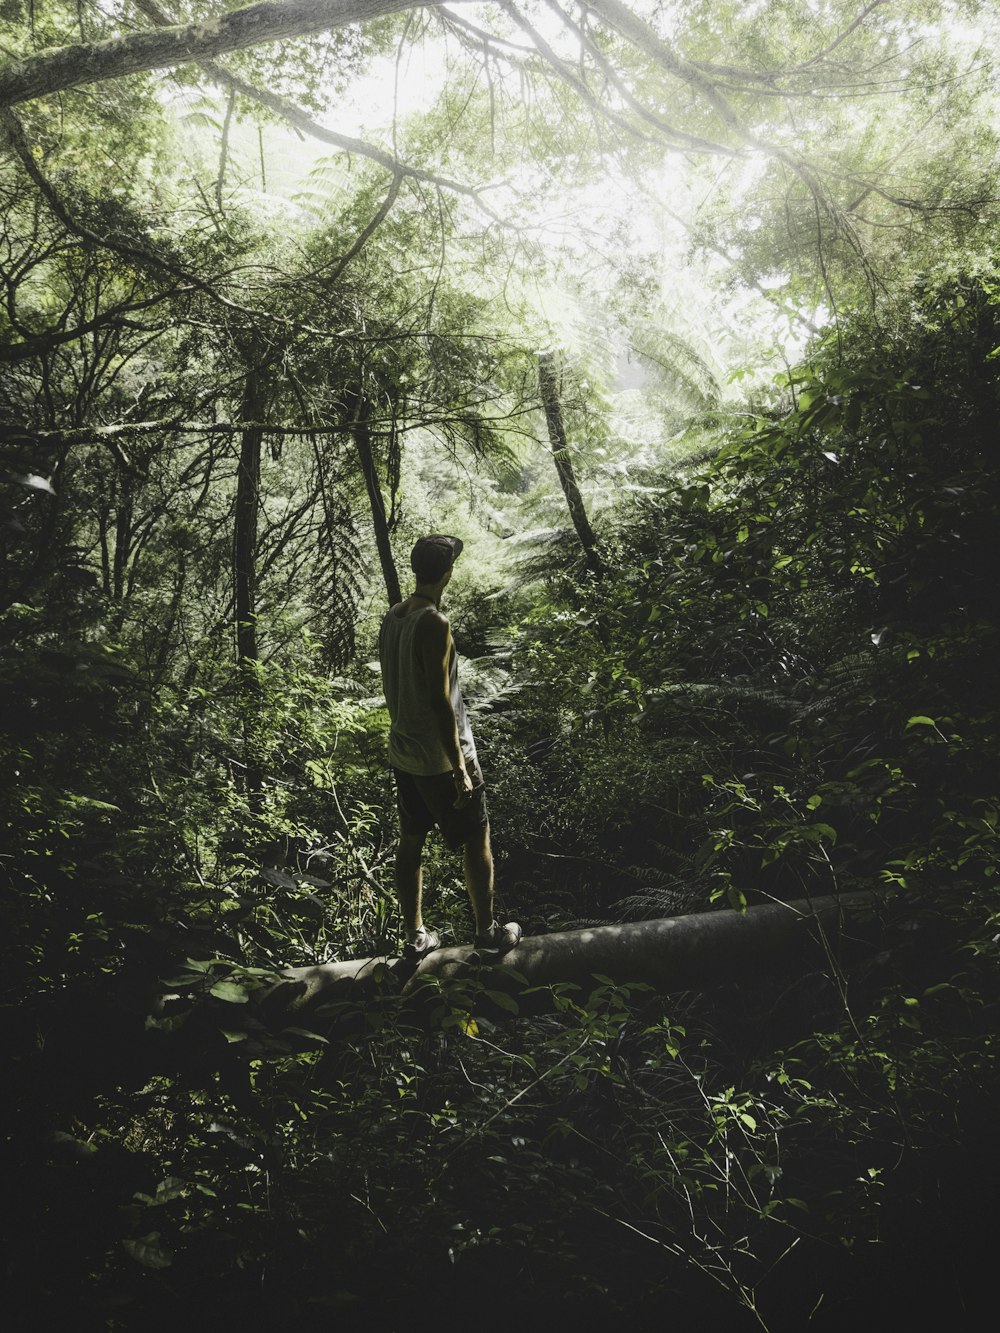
{"type": "Point", "coordinates": [409, 881]}
{"type": "Point", "coordinates": [479, 878]}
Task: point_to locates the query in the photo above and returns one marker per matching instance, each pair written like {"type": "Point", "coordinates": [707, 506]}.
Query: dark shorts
{"type": "Point", "coordinates": [423, 802]}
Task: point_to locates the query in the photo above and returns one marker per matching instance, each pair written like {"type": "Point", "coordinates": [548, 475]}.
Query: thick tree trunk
{"type": "Point", "coordinates": [549, 388]}
{"type": "Point", "coordinates": [694, 952]}
{"type": "Point", "coordinates": [245, 571]}
{"type": "Point", "coordinates": [162, 48]}
{"type": "Point", "coordinates": [363, 444]}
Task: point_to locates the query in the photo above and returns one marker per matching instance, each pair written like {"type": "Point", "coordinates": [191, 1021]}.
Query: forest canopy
{"type": "Point", "coordinates": [686, 316]}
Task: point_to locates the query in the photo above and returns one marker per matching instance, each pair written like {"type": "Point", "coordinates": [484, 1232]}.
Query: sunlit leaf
{"type": "Point", "coordinates": [33, 482]}
{"type": "Point", "coordinates": [231, 991]}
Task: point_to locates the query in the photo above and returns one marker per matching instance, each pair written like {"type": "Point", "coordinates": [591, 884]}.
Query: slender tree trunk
{"type": "Point", "coordinates": [224, 151]}
{"type": "Point", "coordinates": [123, 499]}
{"type": "Point", "coordinates": [363, 444]}
{"type": "Point", "coordinates": [245, 571]}
{"type": "Point", "coordinates": [103, 528]}
{"type": "Point", "coordinates": [123, 537]}
{"type": "Point", "coordinates": [549, 387]}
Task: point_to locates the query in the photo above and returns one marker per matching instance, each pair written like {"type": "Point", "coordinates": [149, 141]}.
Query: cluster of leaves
{"type": "Point", "coordinates": [787, 669]}
{"type": "Point", "coordinates": [784, 689]}
{"type": "Point", "coordinates": [465, 1140]}
{"type": "Point", "coordinates": [779, 688]}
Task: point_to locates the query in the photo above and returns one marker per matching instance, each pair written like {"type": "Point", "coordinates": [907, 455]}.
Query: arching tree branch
{"type": "Point", "coordinates": [680, 138]}
{"type": "Point", "coordinates": [618, 16]}
{"type": "Point", "coordinates": [773, 76]}
{"type": "Point", "coordinates": [114, 317]}
{"type": "Point", "coordinates": [302, 121]}
{"type": "Point", "coordinates": [139, 255]}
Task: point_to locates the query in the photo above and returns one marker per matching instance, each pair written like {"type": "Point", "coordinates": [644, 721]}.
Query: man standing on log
{"type": "Point", "coordinates": [432, 752]}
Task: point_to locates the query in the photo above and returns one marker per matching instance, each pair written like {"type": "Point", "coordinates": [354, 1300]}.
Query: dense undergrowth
{"type": "Point", "coordinates": [784, 687]}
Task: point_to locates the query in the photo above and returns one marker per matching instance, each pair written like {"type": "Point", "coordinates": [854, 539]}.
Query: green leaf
{"type": "Point", "coordinates": [89, 803]}
{"type": "Point", "coordinates": [33, 482]}
{"type": "Point", "coordinates": [920, 721]}
{"type": "Point", "coordinates": [272, 875]}
{"type": "Point", "coordinates": [149, 1251]}
{"type": "Point", "coordinates": [230, 991]}
{"type": "Point", "coordinates": [199, 964]}
{"type": "Point", "coordinates": [201, 120]}
{"type": "Point", "coordinates": [172, 1187]}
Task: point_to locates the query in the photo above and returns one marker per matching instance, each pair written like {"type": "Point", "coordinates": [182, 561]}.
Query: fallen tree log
{"type": "Point", "coordinates": [695, 952]}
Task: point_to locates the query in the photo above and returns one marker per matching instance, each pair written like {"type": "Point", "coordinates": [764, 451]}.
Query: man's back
{"type": "Point", "coordinates": [435, 768]}
{"type": "Point", "coordinates": [415, 744]}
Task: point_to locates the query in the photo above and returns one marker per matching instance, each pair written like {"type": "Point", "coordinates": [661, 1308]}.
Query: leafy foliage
{"type": "Point", "coordinates": [777, 683]}
{"type": "Point", "coordinates": [779, 689]}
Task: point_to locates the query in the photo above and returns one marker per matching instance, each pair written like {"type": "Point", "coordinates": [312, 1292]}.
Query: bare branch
{"type": "Point", "coordinates": [571, 76]}
{"type": "Point", "coordinates": [640, 34]}
{"type": "Point", "coordinates": [365, 235]}
{"type": "Point", "coordinates": [614, 78]}
{"type": "Point", "coordinates": [487, 40]}
{"type": "Point", "coordinates": [167, 426]}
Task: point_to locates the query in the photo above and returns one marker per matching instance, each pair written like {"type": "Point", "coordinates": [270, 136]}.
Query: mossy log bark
{"type": "Point", "coordinates": [694, 952]}
{"type": "Point", "coordinates": [52, 70]}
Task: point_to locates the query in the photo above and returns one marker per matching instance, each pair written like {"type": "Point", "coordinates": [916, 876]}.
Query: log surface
{"type": "Point", "coordinates": [691, 952]}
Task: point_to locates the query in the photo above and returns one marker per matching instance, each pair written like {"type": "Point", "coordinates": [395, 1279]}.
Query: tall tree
{"type": "Point", "coordinates": [359, 408]}
{"type": "Point", "coordinates": [253, 407]}
{"type": "Point", "coordinates": [551, 402]}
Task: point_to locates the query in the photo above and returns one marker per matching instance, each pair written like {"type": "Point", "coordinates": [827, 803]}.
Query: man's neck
{"type": "Point", "coordinates": [428, 593]}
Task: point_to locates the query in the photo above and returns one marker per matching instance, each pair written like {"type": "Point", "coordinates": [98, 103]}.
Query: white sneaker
{"type": "Point", "coordinates": [500, 939]}
{"type": "Point", "coordinates": [425, 942]}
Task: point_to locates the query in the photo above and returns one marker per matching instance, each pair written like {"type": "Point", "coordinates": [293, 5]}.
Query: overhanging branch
{"type": "Point", "coordinates": [135, 254]}
{"type": "Point", "coordinates": [305, 124]}
{"type": "Point", "coordinates": [115, 317]}
{"type": "Point", "coordinates": [65, 67]}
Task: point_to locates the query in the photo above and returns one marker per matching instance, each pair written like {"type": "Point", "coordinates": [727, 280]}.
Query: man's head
{"type": "Point", "coordinates": [432, 557]}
